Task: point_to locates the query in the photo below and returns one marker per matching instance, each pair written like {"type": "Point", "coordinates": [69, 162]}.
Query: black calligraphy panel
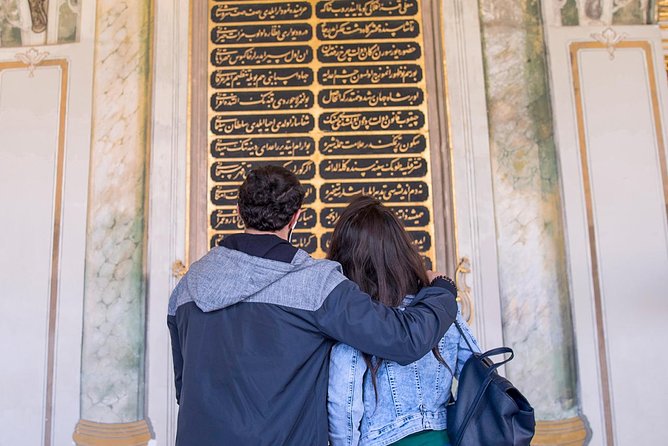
{"type": "Point", "coordinates": [261, 124]}
{"type": "Point", "coordinates": [262, 78]}
{"type": "Point", "coordinates": [373, 29]}
{"type": "Point", "coordinates": [337, 9]}
{"type": "Point", "coordinates": [261, 100]}
{"type": "Point", "coordinates": [370, 97]}
{"type": "Point", "coordinates": [410, 216]}
{"type": "Point", "coordinates": [230, 220]}
{"type": "Point", "coordinates": [360, 168]}
{"type": "Point", "coordinates": [302, 240]}
{"type": "Point", "coordinates": [228, 171]}
{"type": "Point", "coordinates": [397, 144]}
{"type": "Point", "coordinates": [260, 12]}
{"type": "Point", "coordinates": [228, 194]}
{"type": "Point", "coordinates": [370, 74]}
{"type": "Point", "coordinates": [251, 55]}
{"type": "Point", "coordinates": [368, 52]}
{"type": "Point", "coordinates": [246, 147]}
{"type": "Point", "coordinates": [308, 241]}
{"type": "Point", "coordinates": [297, 32]}
{"type": "Point", "coordinates": [338, 99]}
{"type": "Point", "coordinates": [352, 121]}
{"type": "Point", "coordinates": [226, 220]}
{"type": "Point", "coordinates": [387, 192]}
{"type": "Point", "coordinates": [421, 240]}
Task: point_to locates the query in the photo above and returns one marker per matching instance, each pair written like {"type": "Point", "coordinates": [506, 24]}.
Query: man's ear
{"type": "Point", "coordinates": [239, 215]}
{"type": "Point", "coordinates": [293, 220]}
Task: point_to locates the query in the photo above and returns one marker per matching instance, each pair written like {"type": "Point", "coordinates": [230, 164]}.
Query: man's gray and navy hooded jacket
{"type": "Point", "coordinates": [252, 324]}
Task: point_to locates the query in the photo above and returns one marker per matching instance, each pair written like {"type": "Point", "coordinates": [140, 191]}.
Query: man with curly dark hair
{"type": "Point", "coordinates": [252, 324]}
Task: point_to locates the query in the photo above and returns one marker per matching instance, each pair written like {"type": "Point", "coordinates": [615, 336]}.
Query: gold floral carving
{"type": "Point", "coordinates": [610, 38]}
{"type": "Point", "coordinates": [32, 58]}
{"type": "Point", "coordinates": [463, 290]}
{"type": "Point", "coordinates": [179, 269]}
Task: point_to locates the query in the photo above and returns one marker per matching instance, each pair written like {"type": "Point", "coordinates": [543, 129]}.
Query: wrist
{"type": "Point", "coordinates": [444, 282]}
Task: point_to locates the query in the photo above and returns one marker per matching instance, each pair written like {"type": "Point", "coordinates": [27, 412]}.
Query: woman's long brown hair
{"type": "Point", "coordinates": [377, 253]}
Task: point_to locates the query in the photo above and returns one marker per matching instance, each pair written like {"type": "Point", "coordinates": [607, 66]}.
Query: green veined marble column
{"type": "Point", "coordinates": [530, 235]}
{"type": "Point", "coordinates": [112, 369]}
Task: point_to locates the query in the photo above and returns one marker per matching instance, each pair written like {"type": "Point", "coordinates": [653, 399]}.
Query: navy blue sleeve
{"type": "Point", "coordinates": [177, 357]}
{"type": "Point", "coordinates": [351, 316]}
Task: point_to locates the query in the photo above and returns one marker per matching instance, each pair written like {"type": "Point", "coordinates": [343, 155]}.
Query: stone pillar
{"type": "Point", "coordinates": [532, 263]}
{"type": "Point", "coordinates": [112, 370]}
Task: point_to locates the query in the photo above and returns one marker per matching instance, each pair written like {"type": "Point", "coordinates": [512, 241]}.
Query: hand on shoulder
{"type": "Point", "coordinates": [433, 275]}
{"type": "Point", "coordinates": [443, 280]}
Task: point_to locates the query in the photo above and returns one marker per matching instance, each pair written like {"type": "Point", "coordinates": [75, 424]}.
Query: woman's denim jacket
{"type": "Point", "coordinates": [411, 398]}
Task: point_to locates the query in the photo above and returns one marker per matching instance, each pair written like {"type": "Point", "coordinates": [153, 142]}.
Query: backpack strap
{"type": "Point", "coordinates": [463, 335]}
{"type": "Point", "coordinates": [499, 351]}
{"type": "Point", "coordinates": [492, 352]}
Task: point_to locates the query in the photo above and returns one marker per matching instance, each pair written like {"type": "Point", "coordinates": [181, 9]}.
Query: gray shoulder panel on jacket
{"type": "Point", "coordinates": [226, 277]}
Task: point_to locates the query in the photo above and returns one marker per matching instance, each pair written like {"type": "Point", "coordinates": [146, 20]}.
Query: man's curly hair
{"type": "Point", "coordinates": [269, 197]}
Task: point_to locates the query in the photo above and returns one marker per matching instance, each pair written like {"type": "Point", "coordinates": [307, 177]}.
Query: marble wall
{"type": "Point", "coordinates": [603, 12]}
{"type": "Point", "coordinates": [29, 22]}
{"type": "Point", "coordinates": [530, 234]}
{"type": "Point", "coordinates": [112, 375]}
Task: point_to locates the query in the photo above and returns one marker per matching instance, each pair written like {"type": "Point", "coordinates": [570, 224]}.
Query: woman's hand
{"type": "Point", "coordinates": [433, 275]}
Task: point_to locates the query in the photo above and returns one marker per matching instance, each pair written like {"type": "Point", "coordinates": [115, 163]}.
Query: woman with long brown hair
{"type": "Point", "coordinates": [372, 401]}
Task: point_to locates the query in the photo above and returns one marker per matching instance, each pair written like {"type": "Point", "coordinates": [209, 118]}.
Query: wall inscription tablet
{"type": "Point", "coordinates": [332, 90]}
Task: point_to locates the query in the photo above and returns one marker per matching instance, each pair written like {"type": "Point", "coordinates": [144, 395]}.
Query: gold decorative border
{"type": "Point", "coordinates": [575, 48]}
{"type": "Point", "coordinates": [189, 126]}
{"type": "Point", "coordinates": [568, 432]}
{"type": "Point", "coordinates": [147, 103]}
{"type": "Point", "coordinates": [440, 147]}
{"type": "Point", "coordinates": [55, 245]}
{"type": "Point", "coordinates": [197, 243]}
{"type": "Point", "coordinates": [90, 433]}
{"type": "Point", "coordinates": [463, 264]}
{"type": "Point", "coordinates": [448, 130]}
{"type": "Point", "coordinates": [662, 20]}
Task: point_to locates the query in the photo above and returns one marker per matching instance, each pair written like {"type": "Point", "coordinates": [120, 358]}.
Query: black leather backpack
{"type": "Point", "coordinates": [489, 410]}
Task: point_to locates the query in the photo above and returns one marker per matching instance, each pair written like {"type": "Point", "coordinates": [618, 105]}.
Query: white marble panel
{"type": "Point", "coordinates": [29, 118]}
{"type": "Point", "coordinates": [632, 236]}
{"type": "Point", "coordinates": [629, 259]}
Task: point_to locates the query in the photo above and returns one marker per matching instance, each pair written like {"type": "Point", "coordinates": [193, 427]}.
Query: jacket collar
{"type": "Point", "coordinates": [266, 246]}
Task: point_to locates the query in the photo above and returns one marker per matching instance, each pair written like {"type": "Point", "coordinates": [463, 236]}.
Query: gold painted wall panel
{"type": "Point", "coordinates": [333, 90]}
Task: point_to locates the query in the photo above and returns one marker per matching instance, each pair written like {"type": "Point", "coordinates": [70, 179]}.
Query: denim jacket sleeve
{"type": "Point", "coordinates": [345, 405]}
{"type": "Point", "coordinates": [463, 350]}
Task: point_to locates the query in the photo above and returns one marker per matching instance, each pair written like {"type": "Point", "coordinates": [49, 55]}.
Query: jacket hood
{"type": "Point", "coordinates": [225, 277]}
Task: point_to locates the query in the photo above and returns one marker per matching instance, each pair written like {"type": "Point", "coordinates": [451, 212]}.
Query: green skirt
{"type": "Point", "coordinates": [425, 438]}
